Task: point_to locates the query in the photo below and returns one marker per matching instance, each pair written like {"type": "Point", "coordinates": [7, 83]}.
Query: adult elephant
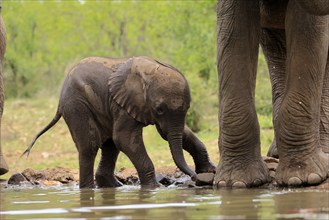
{"type": "Point", "coordinates": [3, 164]}
{"type": "Point", "coordinates": [295, 38]}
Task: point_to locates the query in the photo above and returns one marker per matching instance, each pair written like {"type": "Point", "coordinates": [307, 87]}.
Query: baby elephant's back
{"type": "Point", "coordinates": [90, 75]}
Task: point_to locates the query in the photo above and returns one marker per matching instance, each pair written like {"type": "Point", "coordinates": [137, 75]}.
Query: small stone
{"type": "Point", "coordinates": [178, 174]}
{"type": "Point", "coordinates": [132, 180]}
{"type": "Point", "coordinates": [17, 179]}
{"type": "Point", "coordinates": [204, 179]}
{"type": "Point", "coordinates": [270, 159]}
{"type": "Point", "coordinates": [164, 180]}
{"type": "Point", "coordinates": [272, 166]}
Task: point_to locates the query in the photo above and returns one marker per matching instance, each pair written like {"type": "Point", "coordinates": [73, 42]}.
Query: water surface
{"type": "Point", "coordinates": [131, 202]}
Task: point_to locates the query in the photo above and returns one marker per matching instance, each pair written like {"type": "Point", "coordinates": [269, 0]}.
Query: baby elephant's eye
{"type": "Point", "coordinates": [160, 110]}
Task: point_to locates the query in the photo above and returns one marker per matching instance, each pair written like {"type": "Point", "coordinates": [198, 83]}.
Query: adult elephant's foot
{"type": "Point", "coordinates": [307, 171]}
{"type": "Point", "coordinates": [241, 173]}
{"type": "Point", "coordinates": [273, 151]}
{"type": "Point", "coordinates": [3, 165]}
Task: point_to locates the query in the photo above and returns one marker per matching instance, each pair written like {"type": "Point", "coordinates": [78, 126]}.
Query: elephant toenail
{"type": "Point", "coordinates": [294, 181]}
{"type": "Point", "coordinates": [275, 183]}
{"type": "Point", "coordinates": [221, 184]}
{"type": "Point", "coordinates": [239, 184]}
{"type": "Point", "coordinates": [313, 179]}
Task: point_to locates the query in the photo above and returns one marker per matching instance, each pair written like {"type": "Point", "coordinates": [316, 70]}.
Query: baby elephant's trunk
{"type": "Point", "coordinates": [175, 140]}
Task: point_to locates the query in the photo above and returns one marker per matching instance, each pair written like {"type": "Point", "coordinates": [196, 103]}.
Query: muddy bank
{"type": "Point", "coordinates": [60, 176]}
{"type": "Point", "coordinates": [167, 176]}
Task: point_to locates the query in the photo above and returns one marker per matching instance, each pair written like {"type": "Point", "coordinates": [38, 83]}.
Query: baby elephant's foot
{"type": "Point", "coordinates": [107, 181]}
{"type": "Point", "coordinates": [151, 186]}
{"type": "Point", "coordinates": [241, 174]}
{"type": "Point", "coordinates": [308, 171]}
{"type": "Point", "coordinates": [148, 180]}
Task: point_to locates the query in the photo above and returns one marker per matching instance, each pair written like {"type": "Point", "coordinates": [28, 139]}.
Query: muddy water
{"type": "Point", "coordinates": [131, 202]}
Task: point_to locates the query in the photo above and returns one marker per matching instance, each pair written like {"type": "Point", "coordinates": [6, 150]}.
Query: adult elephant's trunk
{"type": "Point", "coordinates": [175, 140]}
{"type": "Point", "coordinates": [315, 7]}
{"type": "Point", "coordinates": [3, 164]}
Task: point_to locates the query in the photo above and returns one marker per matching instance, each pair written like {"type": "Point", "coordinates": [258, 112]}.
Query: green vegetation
{"type": "Point", "coordinates": [45, 38]}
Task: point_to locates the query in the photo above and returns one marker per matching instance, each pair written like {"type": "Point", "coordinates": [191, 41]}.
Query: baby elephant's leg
{"type": "Point", "coordinates": [198, 151]}
{"type": "Point", "coordinates": [128, 138]}
{"type": "Point", "coordinates": [105, 172]}
{"type": "Point", "coordinates": [82, 129]}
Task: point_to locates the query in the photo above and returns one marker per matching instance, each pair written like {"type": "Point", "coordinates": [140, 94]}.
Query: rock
{"type": "Point", "coordinates": [178, 174]}
{"type": "Point", "coordinates": [132, 180]}
{"type": "Point", "coordinates": [272, 166]}
{"type": "Point", "coordinates": [127, 176]}
{"type": "Point", "coordinates": [62, 177]}
{"type": "Point", "coordinates": [188, 183]}
{"type": "Point", "coordinates": [204, 179]}
{"type": "Point", "coordinates": [18, 179]}
{"type": "Point", "coordinates": [270, 159]}
{"type": "Point", "coordinates": [164, 180]}
{"type": "Point", "coordinates": [58, 174]}
{"type": "Point", "coordinates": [32, 175]}
{"type": "Point", "coordinates": [183, 179]}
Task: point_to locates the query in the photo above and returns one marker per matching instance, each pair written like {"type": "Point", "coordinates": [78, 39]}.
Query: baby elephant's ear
{"type": "Point", "coordinates": [128, 89]}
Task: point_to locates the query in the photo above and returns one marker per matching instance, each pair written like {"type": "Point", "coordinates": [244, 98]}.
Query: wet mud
{"type": "Point", "coordinates": [166, 176]}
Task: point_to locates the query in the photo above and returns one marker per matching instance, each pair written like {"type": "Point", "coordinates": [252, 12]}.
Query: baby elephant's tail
{"type": "Point", "coordinates": [51, 124]}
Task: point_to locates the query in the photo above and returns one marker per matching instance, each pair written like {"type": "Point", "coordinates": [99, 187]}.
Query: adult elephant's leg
{"type": "Point", "coordinates": [324, 112]}
{"type": "Point", "coordinates": [273, 42]}
{"type": "Point", "coordinates": [105, 171]}
{"type": "Point", "coordinates": [302, 161]}
{"type": "Point", "coordinates": [238, 30]}
{"type": "Point", "coordinates": [3, 165]}
{"type": "Point", "coordinates": [315, 7]}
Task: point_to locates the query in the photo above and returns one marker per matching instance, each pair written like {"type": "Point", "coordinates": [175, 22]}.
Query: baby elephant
{"type": "Point", "coordinates": [106, 103]}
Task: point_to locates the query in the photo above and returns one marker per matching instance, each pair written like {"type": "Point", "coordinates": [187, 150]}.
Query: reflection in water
{"type": "Point", "coordinates": [165, 203]}
{"type": "Point", "coordinates": [302, 203]}
{"type": "Point", "coordinates": [240, 203]}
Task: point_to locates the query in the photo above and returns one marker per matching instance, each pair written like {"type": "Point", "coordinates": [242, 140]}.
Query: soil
{"type": "Point", "coordinates": [60, 176]}
{"type": "Point", "coordinates": [167, 176]}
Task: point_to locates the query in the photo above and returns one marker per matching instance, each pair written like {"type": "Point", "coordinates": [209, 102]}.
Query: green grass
{"type": "Point", "coordinates": [23, 119]}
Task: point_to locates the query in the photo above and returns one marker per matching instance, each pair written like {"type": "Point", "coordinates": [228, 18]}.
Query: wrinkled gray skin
{"type": "Point", "coordinates": [3, 164]}
{"type": "Point", "coordinates": [295, 43]}
{"type": "Point", "coordinates": [107, 102]}
{"type": "Point", "coordinates": [273, 42]}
